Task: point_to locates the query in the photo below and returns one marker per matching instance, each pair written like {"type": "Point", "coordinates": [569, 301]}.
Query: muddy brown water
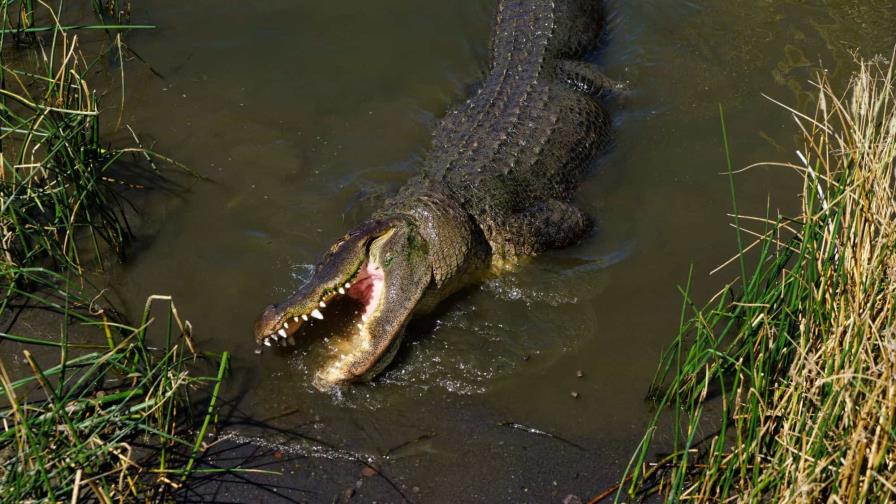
{"type": "Point", "coordinates": [306, 114]}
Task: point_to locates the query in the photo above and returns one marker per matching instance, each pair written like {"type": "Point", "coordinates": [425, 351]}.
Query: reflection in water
{"type": "Point", "coordinates": [307, 114]}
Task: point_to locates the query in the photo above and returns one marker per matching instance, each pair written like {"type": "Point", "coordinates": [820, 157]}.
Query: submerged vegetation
{"type": "Point", "coordinates": [110, 418]}
{"type": "Point", "coordinates": [797, 357]}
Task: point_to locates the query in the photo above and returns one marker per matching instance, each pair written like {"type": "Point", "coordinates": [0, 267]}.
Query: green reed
{"type": "Point", "coordinates": [796, 357]}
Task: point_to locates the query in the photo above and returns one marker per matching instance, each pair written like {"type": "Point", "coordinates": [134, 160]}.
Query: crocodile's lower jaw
{"type": "Point", "coordinates": [339, 370]}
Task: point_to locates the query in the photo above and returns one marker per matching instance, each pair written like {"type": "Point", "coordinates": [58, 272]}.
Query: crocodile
{"type": "Point", "coordinates": [495, 186]}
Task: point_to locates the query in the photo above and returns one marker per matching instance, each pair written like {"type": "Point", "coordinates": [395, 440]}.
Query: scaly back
{"type": "Point", "coordinates": [527, 134]}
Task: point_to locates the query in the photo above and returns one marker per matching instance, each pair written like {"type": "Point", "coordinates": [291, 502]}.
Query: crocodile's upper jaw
{"type": "Point", "coordinates": [382, 264]}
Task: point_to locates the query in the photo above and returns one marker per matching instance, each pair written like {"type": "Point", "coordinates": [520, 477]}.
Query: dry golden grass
{"type": "Point", "coordinates": [802, 360]}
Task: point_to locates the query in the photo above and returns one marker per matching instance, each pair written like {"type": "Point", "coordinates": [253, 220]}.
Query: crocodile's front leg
{"type": "Point", "coordinates": [545, 225]}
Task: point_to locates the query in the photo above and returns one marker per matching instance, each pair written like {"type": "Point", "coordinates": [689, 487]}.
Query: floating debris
{"type": "Point", "coordinates": [538, 432]}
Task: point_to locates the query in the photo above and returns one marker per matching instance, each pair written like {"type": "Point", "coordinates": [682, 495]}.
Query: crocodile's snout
{"type": "Point", "coordinates": [269, 329]}
{"type": "Point", "coordinates": [342, 271]}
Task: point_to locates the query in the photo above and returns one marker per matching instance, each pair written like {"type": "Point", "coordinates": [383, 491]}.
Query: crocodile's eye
{"type": "Point", "coordinates": [336, 245]}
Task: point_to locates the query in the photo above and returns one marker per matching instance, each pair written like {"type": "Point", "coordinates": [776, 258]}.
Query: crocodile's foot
{"type": "Point", "coordinates": [383, 266]}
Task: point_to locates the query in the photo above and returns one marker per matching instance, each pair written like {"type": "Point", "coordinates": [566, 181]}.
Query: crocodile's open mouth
{"type": "Point", "coordinates": [381, 266]}
{"type": "Point", "coordinates": [365, 286]}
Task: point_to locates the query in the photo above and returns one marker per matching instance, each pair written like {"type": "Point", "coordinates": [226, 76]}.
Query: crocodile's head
{"type": "Point", "coordinates": [384, 265]}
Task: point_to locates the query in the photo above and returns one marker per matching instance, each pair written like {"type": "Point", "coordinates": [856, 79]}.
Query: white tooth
{"type": "Point", "coordinates": [285, 325]}
{"type": "Point", "coordinates": [305, 317]}
{"type": "Point", "coordinates": [295, 319]}
{"type": "Point", "coordinates": [267, 342]}
{"type": "Point", "coordinates": [317, 314]}
{"type": "Point", "coordinates": [282, 333]}
{"type": "Point", "coordinates": [364, 317]}
{"type": "Point", "coordinates": [347, 285]}
{"type": "Point", "coordinates": [341, 290]}
{"type": "Point", "coordinates": [323, 305]}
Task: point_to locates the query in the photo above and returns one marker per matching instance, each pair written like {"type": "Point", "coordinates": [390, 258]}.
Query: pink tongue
{"type": "Point", "coordinates": [368, 286]}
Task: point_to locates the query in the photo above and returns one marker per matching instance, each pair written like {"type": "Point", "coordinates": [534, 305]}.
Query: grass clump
{"type": "Point", "coordinates": [103, 412]}
{"type": "Point", "coordinates": [110, 422]}
{"type": "Point", "coordinates": [60, 192]}
{"type": "Point", "coordinates": [800, 363]}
